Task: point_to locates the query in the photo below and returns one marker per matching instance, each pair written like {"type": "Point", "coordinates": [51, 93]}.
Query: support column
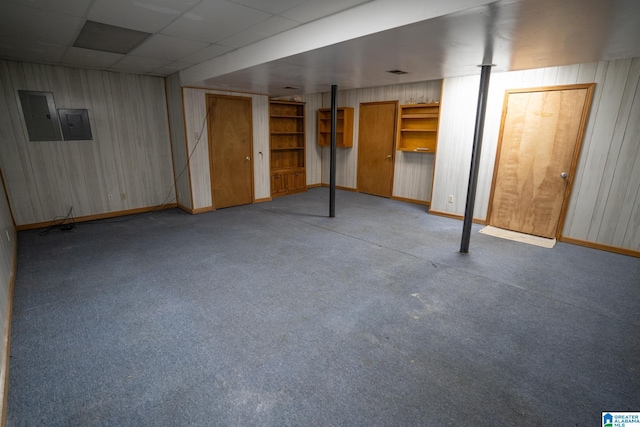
{"type": "Point", "coordinates": [475, 157]}
{"type": "Point", "coordinates": [332, 167]}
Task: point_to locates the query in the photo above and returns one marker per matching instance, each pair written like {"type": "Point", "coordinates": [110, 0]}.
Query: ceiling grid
{"type": "Point", "coordinates": [264, 46]}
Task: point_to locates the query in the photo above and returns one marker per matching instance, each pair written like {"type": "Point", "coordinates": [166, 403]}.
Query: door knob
{"type": "Point", "coordinates": [247, 159]}
{"type": "Point", "coordinates": [563, 175]}
{"type": "Point", "coordinates": [389, 156]}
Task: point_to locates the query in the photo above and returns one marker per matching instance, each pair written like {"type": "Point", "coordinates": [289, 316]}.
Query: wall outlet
{"type": "Point", "coordinates": [197, 135]}
{"type": "Point", "coordinates": [179, 196]}
{"type": "Point", "coordinates": [450, 198]}
{"type": "Point", "coordinates": [123, 196]}
{"type": "Point", "coordinates": [110, 197]}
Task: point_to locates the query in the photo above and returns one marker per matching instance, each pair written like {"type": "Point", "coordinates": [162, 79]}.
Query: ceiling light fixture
{"type": "Point", "coordinates": [397, 72]}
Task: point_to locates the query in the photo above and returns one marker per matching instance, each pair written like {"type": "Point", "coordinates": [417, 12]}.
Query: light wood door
{"type": "Point", "coordinates": [537, 154]}
{"type": "Point", "coordinates": [230, 142]}
{"type": "Point", "coordinates": [376, 141]}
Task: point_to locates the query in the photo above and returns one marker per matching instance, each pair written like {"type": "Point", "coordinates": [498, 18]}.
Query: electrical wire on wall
{"type": "Point", "coordinates": [175, 181]}
{"type": "Point", "coordinates": [68, 223]}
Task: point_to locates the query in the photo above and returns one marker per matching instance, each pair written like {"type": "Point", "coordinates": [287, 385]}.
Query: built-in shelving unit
{"type": "Point", "coordinates": [344, 127]}
{"type": "Point", "coordinates": [287, 147]}
{"type": "Point", "coordinates": [418, 127]}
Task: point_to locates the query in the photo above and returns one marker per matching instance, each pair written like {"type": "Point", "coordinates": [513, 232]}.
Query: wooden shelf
{"type": "Point", "coordinates": [417, 150]}
{"type": "Point", "coordinates": [344, 127]}
{"type": "Point", "coordinates": [287, 147]}
{"type": "Point", "coordinates": [420, 116]}
{"type": "Point", "coordinates": [418, 128]}
{"type": "Point", "coordinates": [287, 169]}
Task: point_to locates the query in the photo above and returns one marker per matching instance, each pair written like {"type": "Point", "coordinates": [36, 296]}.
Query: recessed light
{"type": "Point", "coordinates": [291, 87]}
{"type": "Point", "coordinates": [398, 72]}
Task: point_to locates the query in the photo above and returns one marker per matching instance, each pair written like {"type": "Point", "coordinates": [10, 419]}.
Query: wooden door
{"type": "Point", "coordinates": [376, 142]}
{"type": "Point", "coordinates": [538, 149]}
{"type": "Point", "coordinates": [230, 143]}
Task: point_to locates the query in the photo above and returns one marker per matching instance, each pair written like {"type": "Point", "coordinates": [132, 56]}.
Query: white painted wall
{"type": "Point", "coordinates": [605, 203]}
{"type": "Point", "coordinates": [129, 156]}
{"type": "Point", "coordinates": [195, 113]}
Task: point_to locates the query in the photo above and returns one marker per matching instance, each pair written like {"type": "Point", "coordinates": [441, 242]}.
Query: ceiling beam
{"type": "Point", "coordinates": [366, 19]}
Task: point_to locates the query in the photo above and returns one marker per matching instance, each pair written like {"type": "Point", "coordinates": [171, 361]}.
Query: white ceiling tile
{"type": "Point", "coordinates": [261, 30]}
{"type": "Point", "coordinates": [135, 64]}
{"type": "Point", "coordinates": [143, 15]}
{"type": "Point", "coordinates": [167, 47]}
{"type": "Point", "coordinates": [89, 58]}
{"type": "Point", "coordinates": [21, 22]}
{"type": "Point", "coordinates": [312, 10]}
{"type": "Point", "coordinates": [271, 6]}
{"type": "Point", "coordinates": [66, 7]}
{"type": "Point", "coordinates": [214, 20]}
{"type": "Point", "coordinates": [30, 51]}
{"type": "Point", "coordinates": [207, 53]}
{"type": "Point", "coordinates": [170, 68]}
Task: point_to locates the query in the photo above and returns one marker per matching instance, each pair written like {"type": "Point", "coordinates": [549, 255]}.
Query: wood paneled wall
{"type": "Point", "coordinates": [605, 202]}
{"type": "Point", "coordinates": [178, 141]}
{"type": "Point", "coordinates": [129, 157]}
{"type": "Point", "coordinates": [455, 139]}
{"type": "Point", "coordinates": [313, 162]}
{"type": "Point", "coordinates": [8, 253]}
{"type": "Point", "coordinates": [413, 171]}
{"type": "Point", "coordinates": [195, 113]}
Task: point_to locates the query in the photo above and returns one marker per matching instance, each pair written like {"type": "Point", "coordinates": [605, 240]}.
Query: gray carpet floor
{"type": "Point", "coordinates": [276, 315]}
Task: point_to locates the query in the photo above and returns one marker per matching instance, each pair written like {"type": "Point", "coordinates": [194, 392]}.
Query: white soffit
{"type": "Point", "coordinates": [359, 21]}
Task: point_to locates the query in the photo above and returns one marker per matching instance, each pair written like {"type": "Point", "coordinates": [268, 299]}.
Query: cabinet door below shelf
{"type": "Point", "coordinates": [278, 184]}
{"type": "Point", "coordinates": [296, 181]}
{"type": "Point", "coordinates": [287, 182]}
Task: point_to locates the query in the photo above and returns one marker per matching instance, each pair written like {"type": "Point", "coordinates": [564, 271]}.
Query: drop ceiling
{"type": "Point", "coordinates": [272, 46]}
{"type": "Point", "coordinates": [183, 32]}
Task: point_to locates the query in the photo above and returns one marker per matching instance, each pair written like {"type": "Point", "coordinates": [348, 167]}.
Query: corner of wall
{"type": "Point", "coordinates": [8, 260]}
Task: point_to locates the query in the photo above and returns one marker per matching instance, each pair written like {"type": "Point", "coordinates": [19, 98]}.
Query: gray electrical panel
{"type": "Point", "coordinates": [75, 124]}
{"type": "Point", "coordinates": [40, 115]}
